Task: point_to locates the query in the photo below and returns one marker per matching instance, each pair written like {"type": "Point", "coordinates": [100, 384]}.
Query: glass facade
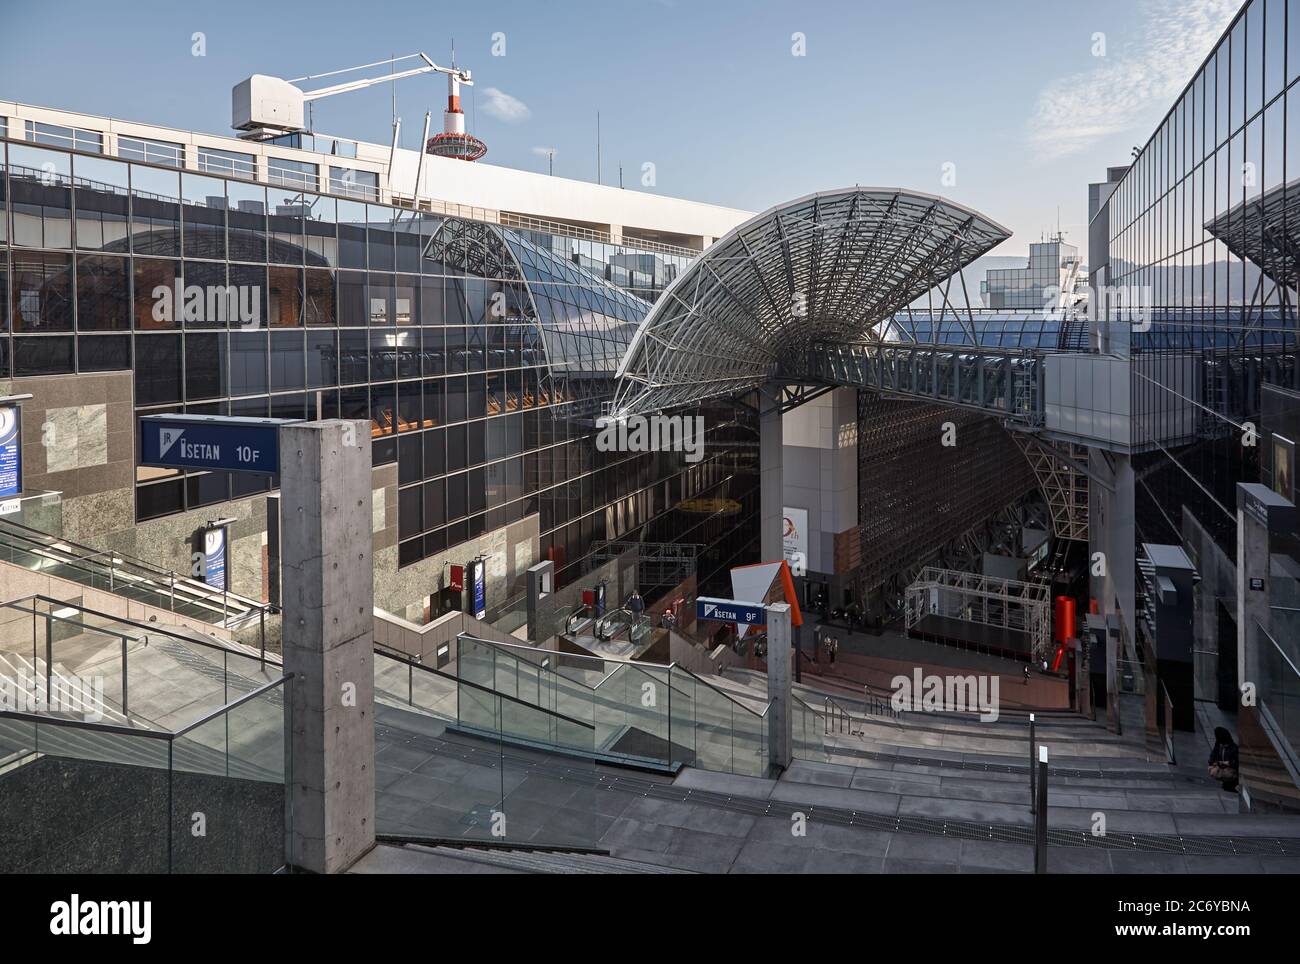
{"type": "Point", "coordinates": [479, 354]}
{"type": "Point", "coordinates": [1207, 221]}
{"type": "Point", "coordinates": [991, 329]}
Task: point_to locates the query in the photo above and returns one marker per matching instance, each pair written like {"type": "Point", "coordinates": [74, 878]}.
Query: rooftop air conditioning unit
{"type": "Point", "coordinates": [266, 102]}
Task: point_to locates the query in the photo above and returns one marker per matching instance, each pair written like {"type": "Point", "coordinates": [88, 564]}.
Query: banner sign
{"type": "Point", "coordinates": [11, 450]}
{"type": "Point", "coordinates": [478, 571]}
{"type": "Point", "coordinates": [730, 611]}
{"type": "Point", "coordinates": [214, 557]}
{"type": "Point", "coordinates": [211, 442]}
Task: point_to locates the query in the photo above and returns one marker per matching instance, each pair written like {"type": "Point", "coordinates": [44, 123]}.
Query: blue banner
{"type": "Point", "coordinates": [480, 588]}
{"type": "Point", "coordinates": [214, 557]}
{"type": "Point", "coordinates": [11, 451]}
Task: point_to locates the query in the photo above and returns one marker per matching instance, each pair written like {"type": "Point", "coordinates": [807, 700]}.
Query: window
{"type": "Point", "coordinates": [40, 184]}
{"type": "Point", "coordinates": [103, 293]}
{"type": "Point", "coordinates": [152, 152]}
{"type": "Point", "coordinates": [281, 170]}
{"type": "Point", "coordinates": [42, 292]}
{"type": "Point", "coordinates": [229, 163]}
{"type": "Point", "coordinates": [74, 138]}
{"type": "Point", "coordinates": [353, 183]}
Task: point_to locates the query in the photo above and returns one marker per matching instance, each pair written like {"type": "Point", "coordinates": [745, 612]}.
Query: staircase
{"type": "Point", "coordinates": [127, 577]}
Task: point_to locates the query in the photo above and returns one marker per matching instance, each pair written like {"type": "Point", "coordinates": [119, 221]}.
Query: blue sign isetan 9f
{"type": "Point", "coordinates": [730, 611]}
{"type": "Point", "coordinates": [211, 442]}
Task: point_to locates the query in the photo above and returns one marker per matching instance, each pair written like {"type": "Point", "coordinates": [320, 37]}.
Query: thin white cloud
{"type": "Point", "coordinates": [1075, 112]}
{"type": "Point", "coordinates": [503, 107]}
{"type": "Point", "coordinates": [544, 151]}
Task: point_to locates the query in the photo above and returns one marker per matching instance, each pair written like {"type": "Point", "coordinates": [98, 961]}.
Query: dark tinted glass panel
{"type": "Point", "coordinates": [431, 301]}
{"type": "Point", "coordinates": [456, 448]}
{"type": "Point", "coordinates": [248, 362]}
{"type": "Point", "coordinates": [407, 230]}
{"type": "Point", "coordinates": [156, 293]}
{"type": "Point", "coordinates": [103, 353]}
{"type": "Point", "coordinates": [381, 238]}
{"type": "Point", "coordinates": [322, 358]}
{"type": "Point", "coordinates": [206, 489]}
{"type": "Point", "coordinates": [352, 234]}
{"type": "Point", "coordinates": [159, 499]}
{"type": "Point", "coordinates": [206, 302]}
{"type": "Point", "coordinates": [352, 299]}
{"type": "Point", "coordinates": [318, 306]}
{"type": "Point", "coordinates": [287, 360]}
{"type": "Point", "coordinates": [379, 299]}
{"type": "Point", "coordinates": [354, 403]}
{"type": "Point", "coordinates": [41, 296]}
{"type": "Point", "coordinates": [410, 517]}
{"type": "Point", "coordinates": [410, 458]}
{"type": "Point", "coordinates": [103, 200]}
{"type": "Point", "coordinates": [40, 185]}
{"type": "Point", "coordinates": [249, 283]}
{"type": "Point", "coordinates": [383, 408]}
{"type": "Point", "coordinates": [407, 343]}
{"type": "Point", "coordinates": [354, 347]}
{"type": "Point", "coordinates": [155, 212]}
{"type": "Point", "coordinates": [456, 497]}
{"type": "Point", "coordinates": [383, 356]}
{"type": "Point", "coordinates": [205, 356]}
{"type": "Point", "coordinates": [43, 356]}
{"type": "Point", "coordinates": [157, 369]}
{"type": "Point", "coordinates": [204, 214]}
{"type": "Point", "coordinates": [435, 453]}
{"type": "Point", "coordinates": [103, 294]}
{"type": "Point", "coordinates": [246, 216]}
{"type": "Point", "coordinates": [285, 297]}
{"type": "Point", "coordinates": [435, 503]}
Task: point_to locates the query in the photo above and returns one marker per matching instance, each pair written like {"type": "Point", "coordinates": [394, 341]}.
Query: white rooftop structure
{"type": "Point", "coordinates": [379, 173]}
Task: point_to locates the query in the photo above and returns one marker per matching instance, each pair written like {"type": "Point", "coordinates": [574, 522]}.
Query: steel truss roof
{"type": "Point", "coordinates": [817, 273]}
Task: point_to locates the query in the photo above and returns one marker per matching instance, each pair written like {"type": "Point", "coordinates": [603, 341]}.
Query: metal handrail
{"type": "Point", "coordinates": [116, 559]}
{"type": "Point", "coordinates": [414, 664]}
{"type": "Point", "coordinates": [117, 728]}
{"type": "Point", "coordinates": [217, 713]}
{"type": "Point", "coordinates": [147, 630]}
{"type": "Point", "coordinates": [639, 664]}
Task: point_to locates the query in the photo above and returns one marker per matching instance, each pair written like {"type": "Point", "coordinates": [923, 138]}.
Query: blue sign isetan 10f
{"type": "Point", "coordinates": [211, 442]}
{"type": "Point", "coordinates": [730, 611]}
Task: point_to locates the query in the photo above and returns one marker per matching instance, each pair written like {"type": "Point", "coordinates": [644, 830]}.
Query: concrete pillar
{"type": "Point", "coordinates": [779, 661]}
{"type": "Point", "coordinates": [1260, 512]}
{"type": "Point", "coordinates": [771, 512]}
{"type": "Point", "coordinates": [1111, 532]}
{"type": "Point", "coordinates": [328, 597]}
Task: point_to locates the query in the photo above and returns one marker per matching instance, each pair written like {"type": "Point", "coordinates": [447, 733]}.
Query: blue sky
{"type": "Point", "coordinates": [1018, 95]}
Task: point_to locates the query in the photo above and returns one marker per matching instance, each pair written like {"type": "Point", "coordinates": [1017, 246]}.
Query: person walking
{"type": "Point", "coordinates": [1223, 760]}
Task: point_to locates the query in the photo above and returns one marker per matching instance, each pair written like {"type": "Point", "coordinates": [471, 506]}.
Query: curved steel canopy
{"type": "Point", "coordinates": [815, 273]}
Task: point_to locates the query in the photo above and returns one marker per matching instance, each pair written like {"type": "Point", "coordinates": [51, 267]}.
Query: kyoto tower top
{"type": "Point", "coordinates": [453, 141]}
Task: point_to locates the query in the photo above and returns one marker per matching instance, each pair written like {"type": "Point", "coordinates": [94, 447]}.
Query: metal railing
{"type": "Point", "coordinates": [124, 575]}
{"type": "Point", "coordinates": [88, 623]}
{"type": "Point", "coordinates": [253, 751]}
{"type": "Point", "coordinates": [644, 713]}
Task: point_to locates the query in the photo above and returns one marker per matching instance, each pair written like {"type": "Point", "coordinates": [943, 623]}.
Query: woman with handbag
{"type": "Point", "coordinates": [1223, 760]}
